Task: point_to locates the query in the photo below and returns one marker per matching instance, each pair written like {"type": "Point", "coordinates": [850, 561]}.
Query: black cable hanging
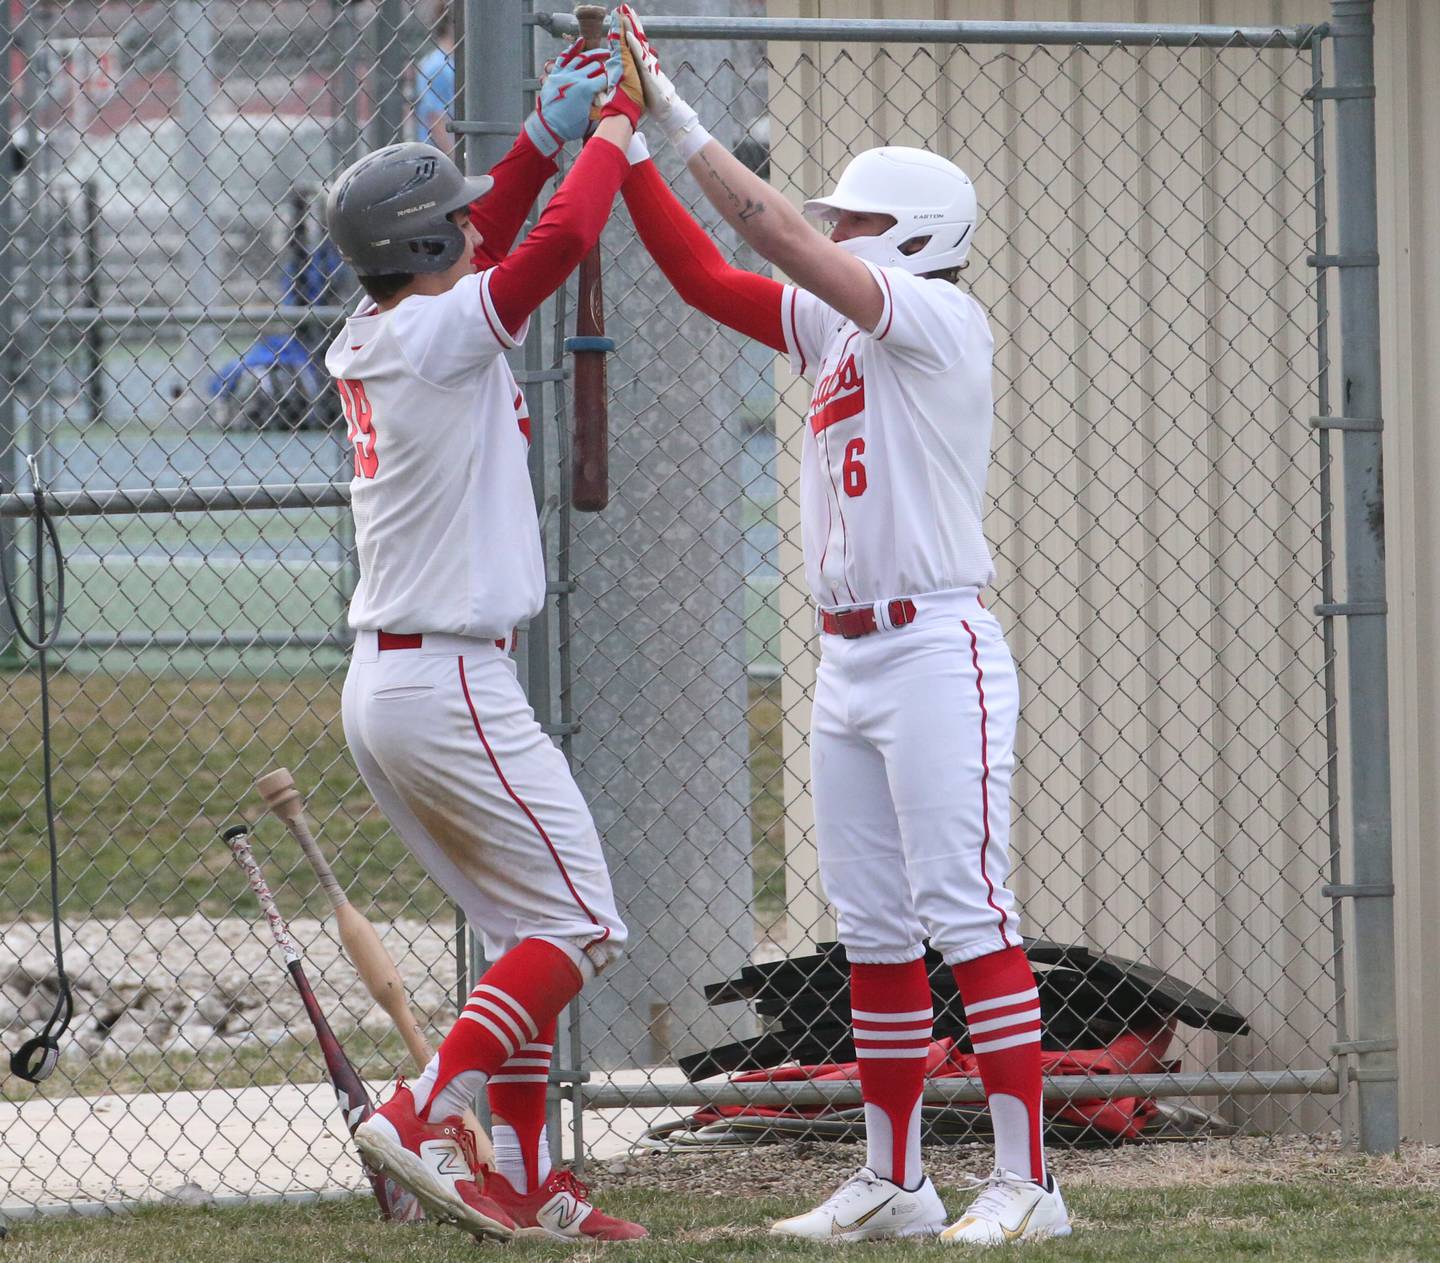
{"type": "Point", "coordinates": [37, 1058]}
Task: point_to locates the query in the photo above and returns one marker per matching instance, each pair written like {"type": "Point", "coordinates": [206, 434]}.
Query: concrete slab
{"type": "Point", "coordinates": [224, 1143]}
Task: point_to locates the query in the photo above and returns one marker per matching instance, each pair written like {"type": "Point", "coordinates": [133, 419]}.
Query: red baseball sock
{"type": "Point", "coordinates": [517, 1105]}
{"type": "Point", "coordinates": [1002, 1009]}
{"type": "Point", "coordinates": [517, 997]}
{"type": "Point", "coordinates": [892, 1019]}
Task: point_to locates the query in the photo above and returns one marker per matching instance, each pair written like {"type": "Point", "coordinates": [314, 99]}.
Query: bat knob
{"type": "Point", "coordinates": [235, 831]}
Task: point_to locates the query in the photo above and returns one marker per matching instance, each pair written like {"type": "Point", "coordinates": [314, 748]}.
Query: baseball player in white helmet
{"type": "Point", "coordinates": [450, 563]}
{"type": "Point", "coordinates": [916, 698]}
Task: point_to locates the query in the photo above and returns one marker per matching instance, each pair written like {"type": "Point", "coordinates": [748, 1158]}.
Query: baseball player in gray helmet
{"type": "Point", "coordinates": [450, 564]}
{"type": "Point", "coordinates": [390, 212]}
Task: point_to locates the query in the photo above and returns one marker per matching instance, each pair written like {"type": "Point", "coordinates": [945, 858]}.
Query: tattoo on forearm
{"type": "Point", "coordinates": [745, 209]}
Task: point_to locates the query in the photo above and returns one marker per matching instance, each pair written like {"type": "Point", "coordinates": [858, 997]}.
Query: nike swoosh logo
{"type": "Point", "coordinates": [1014, 1234]}
{"type": "Point", "coordinates": [837, 1228]}
{"type": "Point", "coordinates": [356, 348]}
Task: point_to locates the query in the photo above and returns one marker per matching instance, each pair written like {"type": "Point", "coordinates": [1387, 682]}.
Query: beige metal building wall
{"type": "Point", "coordinates": [1129, 852]}
{"type": "Point", "coordinates": [1407, 75]}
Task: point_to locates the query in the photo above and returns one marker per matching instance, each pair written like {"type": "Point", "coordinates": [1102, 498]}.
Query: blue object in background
{"type": "Point", "coordinates": [434, 87]}
{"type": "Point", "coordinates": [309, 283]}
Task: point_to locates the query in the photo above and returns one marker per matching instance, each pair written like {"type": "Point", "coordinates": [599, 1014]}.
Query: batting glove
{"type": "Point", "coordinates": [665, 105]}
{"type": "Point", "coordinates": [571, 86]}
{"type": "Point", "coordinates": [627, 96]}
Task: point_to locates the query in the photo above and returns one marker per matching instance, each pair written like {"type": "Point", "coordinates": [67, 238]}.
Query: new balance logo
{"type": "Point", "coordinates": [445, 1158]}
{"type": "Point", "coordinates": [565, 1212]}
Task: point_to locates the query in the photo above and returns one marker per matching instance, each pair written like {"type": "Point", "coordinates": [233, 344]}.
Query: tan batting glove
{"type": "Point", "coordinates": [627, 98]}
{"type": "Point", "coordinates": [665, 105]}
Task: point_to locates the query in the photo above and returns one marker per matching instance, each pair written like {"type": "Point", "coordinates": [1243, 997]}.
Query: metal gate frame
{"type": "Point", "coordinates": [496, 95]}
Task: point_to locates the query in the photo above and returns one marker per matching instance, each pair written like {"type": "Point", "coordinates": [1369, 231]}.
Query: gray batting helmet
{"type": "Point", "coordinates": [390, 211]}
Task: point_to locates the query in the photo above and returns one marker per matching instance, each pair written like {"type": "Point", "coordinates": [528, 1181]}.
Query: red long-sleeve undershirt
{"type": "Point", "coordinates": [499, 215]}
{"type": "Point", "coordinates": [745, 301]}
{"type": "Point", "coordinates": [569, 227]}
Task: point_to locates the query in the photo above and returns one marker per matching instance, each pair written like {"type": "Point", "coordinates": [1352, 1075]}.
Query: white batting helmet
{"type": "Point", "coordinates": [929, 196]}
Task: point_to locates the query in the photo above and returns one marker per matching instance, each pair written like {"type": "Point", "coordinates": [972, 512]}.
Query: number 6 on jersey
{"type": "Point", "coordinates": [360, 426]}
{"type": "Point", "coordinates": [852, 472]}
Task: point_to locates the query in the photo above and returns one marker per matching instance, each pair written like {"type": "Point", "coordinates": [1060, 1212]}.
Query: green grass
{"type": "Point", "coordinates": [150, 768]}
{"type": "Point", "coordinates": [1331, 1221]}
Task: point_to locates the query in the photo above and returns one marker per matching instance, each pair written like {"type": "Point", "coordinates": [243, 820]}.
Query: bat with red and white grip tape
{"type": "Point", "coordinates": [590, 435]}
{"type": "Point", "coordinates": [355, 1104]}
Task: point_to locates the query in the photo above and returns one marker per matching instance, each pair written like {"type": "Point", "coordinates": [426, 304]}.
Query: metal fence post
{"type": "Point", "coordinates": [1376, 1071]}
{"type": "Point", "coordinates": [10, 367]}
{"type": "Point", "coordinates": [200, 264]}
{"type": "Point", "coordinates": [388, 79]}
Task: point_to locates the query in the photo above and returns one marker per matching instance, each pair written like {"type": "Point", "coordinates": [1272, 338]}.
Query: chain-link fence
{"type": "Point", "coordinates": [1159, 508]}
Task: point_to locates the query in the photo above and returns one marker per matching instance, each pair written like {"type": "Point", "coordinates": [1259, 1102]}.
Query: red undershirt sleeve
{"type": "Point", "coordinates": [567, 230]}
{"type": "Point", "coordinates": [745, 301]}
{"type": "Point", "coordinates": [519, 176]}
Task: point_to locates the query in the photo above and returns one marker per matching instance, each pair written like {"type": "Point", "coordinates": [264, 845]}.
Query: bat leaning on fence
{"type": "Point", "coordinates": [395, 1202]}
{"type": "Point", "coordinates": [590, 435]}
{"type": "Point", "coordinates": [362, 944]}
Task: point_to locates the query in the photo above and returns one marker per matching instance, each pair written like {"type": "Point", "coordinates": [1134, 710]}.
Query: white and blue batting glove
{"type": "Point", "coordinates": [571, 87]}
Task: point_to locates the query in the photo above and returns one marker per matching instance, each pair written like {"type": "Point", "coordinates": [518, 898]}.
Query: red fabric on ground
{"type": "Point", "coordinates": [1141, 1051]}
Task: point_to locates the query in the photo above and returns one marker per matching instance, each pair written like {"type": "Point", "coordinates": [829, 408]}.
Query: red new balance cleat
{"type": "Point", "coordinates": [436, 1162]}
{"type": "Point", "coordinates": [559, 1208]}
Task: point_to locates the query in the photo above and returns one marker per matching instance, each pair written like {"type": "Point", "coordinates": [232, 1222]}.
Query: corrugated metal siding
{"type": "Point", "coordinates": [1407, 74]}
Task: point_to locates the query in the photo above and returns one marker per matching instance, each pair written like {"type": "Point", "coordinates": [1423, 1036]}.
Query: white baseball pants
{"type": "Point", "coordinates": [450, 748]}
{"type": "Point", "coordinates": [912, 746]}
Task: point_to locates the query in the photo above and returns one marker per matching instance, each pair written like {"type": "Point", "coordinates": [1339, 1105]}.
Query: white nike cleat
{"type": "Point", "coordinates": [867, 1208]}
{"type": "Point", "coordinates": [1010, 1208]}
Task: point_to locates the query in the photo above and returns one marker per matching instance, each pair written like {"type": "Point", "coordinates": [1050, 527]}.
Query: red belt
{"type": "Point", "coordinates": [861, 621]}
{"type": "Point", "coordinates": [399, 640]}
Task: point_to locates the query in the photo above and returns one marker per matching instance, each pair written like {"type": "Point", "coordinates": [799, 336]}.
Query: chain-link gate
{"type": "Point", "coordinates": [1160, 511]}
{"type": "Point", "coordinates": [1153, 204]}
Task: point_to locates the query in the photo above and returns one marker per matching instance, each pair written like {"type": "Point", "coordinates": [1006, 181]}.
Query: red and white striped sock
{"type": "Point", "coordinates": [892, 1020]}
{"type": "Point", "coordinates": [1002, 1010]}
{"type": "Point", "coordinates": [517, 1094]}
{"type": "Point", "coordinates": [517, 996]}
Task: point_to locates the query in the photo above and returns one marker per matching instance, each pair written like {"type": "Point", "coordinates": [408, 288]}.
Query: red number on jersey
{"type": "Point", "coordinates": [360, 418]}
{"type": "Point", "coordinates": [852, 472]}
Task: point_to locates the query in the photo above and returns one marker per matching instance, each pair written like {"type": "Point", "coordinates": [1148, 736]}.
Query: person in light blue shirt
{"type": "Point", "coordinates": [435, 88]}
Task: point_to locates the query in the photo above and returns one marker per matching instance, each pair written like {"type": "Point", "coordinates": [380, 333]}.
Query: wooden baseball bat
{"type": "Point", "coordinates": [590, 435]}
{"type": "Point", "coordinates": [362, 944]}
{"type": "Point", "coordinates": [395, 1202]}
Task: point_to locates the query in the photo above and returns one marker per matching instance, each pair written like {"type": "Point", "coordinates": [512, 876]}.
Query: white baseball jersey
{"type": "Point", "coordinates": [897, 441]}
{"type": "Point", "coordinates": [445, 522]}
